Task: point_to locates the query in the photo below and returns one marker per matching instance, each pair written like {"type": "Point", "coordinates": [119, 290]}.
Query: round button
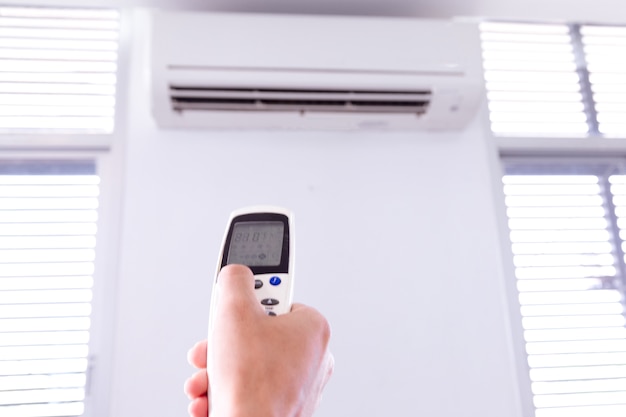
{"type": "Point", "coordinates": [275, 280]}
{"type": "Point", "coordinates": [258, 284]}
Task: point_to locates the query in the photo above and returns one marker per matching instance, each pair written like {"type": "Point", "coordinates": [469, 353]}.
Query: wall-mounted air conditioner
{"type": "Point", "coordinates": [247, 71]}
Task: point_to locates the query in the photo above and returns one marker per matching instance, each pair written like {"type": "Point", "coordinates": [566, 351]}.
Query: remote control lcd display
{"type": "Point", "coordinates": [256, 243]}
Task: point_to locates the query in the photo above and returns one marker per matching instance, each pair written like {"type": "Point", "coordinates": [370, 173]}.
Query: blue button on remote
{"type": "Point", "coordinates": [275, 280]}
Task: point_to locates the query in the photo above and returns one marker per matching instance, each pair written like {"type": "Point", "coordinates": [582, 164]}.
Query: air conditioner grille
{"type": "Point", "coordinates": [298, 100]}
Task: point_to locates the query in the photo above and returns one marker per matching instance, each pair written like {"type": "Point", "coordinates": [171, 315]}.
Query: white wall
{"type": "Point", "coordinates": [397, 244]}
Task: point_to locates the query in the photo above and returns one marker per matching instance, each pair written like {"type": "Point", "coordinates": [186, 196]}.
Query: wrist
{"type": "Point", "coordinates": [243, 411]}
{"type": "Point", "coordinates": [268, 406]}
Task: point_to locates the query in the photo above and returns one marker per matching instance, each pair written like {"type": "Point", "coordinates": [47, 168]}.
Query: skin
{"type": "Point", "coordinates": [259, 366]}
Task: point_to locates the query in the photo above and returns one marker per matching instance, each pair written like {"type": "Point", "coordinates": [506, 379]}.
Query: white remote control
{"type": "Point", "coordinates": [261, 238]}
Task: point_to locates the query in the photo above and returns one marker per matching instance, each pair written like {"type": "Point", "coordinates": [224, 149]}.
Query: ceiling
{"type": "Point", "coordinates": [583, 11]}
{"type": "Point", "coordinates": [588, 11]}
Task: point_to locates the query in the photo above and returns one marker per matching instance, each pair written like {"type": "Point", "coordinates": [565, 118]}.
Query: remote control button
{"type": "Point", "coordinates": [269, 302]}
{"type": "Point", "coordinates": [271, 313]}
{"type": "Point", "coordinates": [258, 284]}
{"type": "Point", "coordinates": [275, 280]}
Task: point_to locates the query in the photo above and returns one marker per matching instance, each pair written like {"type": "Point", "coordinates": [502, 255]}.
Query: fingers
{"type": "Point", "coordinates": [236, 291]}
{"type": "Point", "coordinates": [197, 385]}
{"type": "Point", "coordinates": [329, 362]}
{"type": "Point", "coordinates": [314, 320]}
{"type": "Point", "coordinates": [199, 407]}
{"type": "Point", "coordinates": [296, 306]}
{"type": "Point", "coordinates": [197, 354]}
{"type": "Point", "coordinates": [330, 368]}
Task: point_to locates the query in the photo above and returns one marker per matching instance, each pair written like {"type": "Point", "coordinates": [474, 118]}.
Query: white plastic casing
{"type": "Point", "coordinates": [282, 292]}
{"type": "Point", "coordinates": [316, 53]}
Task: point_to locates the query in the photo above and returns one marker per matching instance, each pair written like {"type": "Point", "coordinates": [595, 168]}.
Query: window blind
{"type": "Point", "coordinates": [48, 216]}
{"type": "Point", "coordinates": [618, 190]}
{"type": "Point", "coordinates": [532, 83]}
{"type": "Point", "coordinates": [58, 70]}
{"type": "Point", "coordinates": [568, 254]}
{"type": "Point", "coordinates": [555, 80]}
{"type": "Point", "coordinates": [605, 53]}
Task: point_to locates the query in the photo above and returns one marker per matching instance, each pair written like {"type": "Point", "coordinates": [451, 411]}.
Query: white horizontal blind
{"type": "Point", "coordinates": [618, 191]}
{"type": "Point", "coordinates": [570, 290]}
{"type": "Point", "coordinates": [48, 219]}
{"type": "Point", "coordinates": [605, 53]}
{"type": "Point", "coordinates": [532, 83]}
{"type": "Point", "coordinates": [57, 70]}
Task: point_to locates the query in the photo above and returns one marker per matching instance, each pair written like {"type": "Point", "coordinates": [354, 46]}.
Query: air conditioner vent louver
{"type": "Point", "coordinates": [298, 100]}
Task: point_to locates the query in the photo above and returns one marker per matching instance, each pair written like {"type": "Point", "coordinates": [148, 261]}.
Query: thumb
{"type": "Point", "coordinates": [235, 285]}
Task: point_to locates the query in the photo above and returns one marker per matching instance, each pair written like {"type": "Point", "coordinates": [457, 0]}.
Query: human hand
{"type": "Point", "coordinates": [259, 365]}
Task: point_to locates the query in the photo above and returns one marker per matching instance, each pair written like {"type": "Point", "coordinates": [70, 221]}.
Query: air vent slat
{"type": "Point", "coordinates": [179, 88]}
{"type": "Point", "coordinates": [297, 95]}
{"type": "Point", "coordinates": [240, 99]}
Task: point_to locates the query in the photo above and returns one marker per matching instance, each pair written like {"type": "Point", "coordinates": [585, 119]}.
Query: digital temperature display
{"type": "Point", "coordinates": [256, 243]}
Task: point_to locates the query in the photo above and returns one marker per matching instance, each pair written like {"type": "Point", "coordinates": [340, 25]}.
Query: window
{"type": "Point", "coordinates": [58, 79]}
{"type": "Point", "coordinates": [555, 80]}
{"type": "Point", "coordinates": [605, 54]}
{"type": "Point", "coordinates": [57, 70]}
{"type": "Point", "coordinates": [48, 214]}
{"type": "Point", "coordinates": [567, 221]}
{"type": "Point", "coordinates": [568, 234]}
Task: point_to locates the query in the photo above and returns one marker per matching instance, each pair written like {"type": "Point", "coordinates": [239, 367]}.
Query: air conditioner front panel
{"type": "Point", "coordinates": [281, 78]}
{"type": "Point", "coordinates": [258, 71]}
{"type": "Point", "coordinates": [292, 121]}
{"type": "Point", "coordinates": [352, 44]}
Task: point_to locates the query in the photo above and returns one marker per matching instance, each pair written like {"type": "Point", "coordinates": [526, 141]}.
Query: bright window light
{"type": "Point", "coordinates": [570, 289]}
{"type": "Point", "coordinates": [605, 52]}
{"type": "Point", "coordinates": [48, 215]}
{"type": "Point", "coordinates": [43, 12]}
{"type": "Point", "coordinates": [58, 70]}
{"type": "Point", "coordinates": [533, 87]}
{"type": "Point", "coordinates": [555, 71]}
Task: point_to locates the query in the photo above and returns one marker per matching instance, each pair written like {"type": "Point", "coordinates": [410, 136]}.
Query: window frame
{"type": "Point", "coordinates": [536, 149]}
{"type": "Point", "coordinates": [107, 152]}
{"type": "Point", "coordinates": [532, 149]}
{"type": "Point", "coordinates": [593, 144]}
{"type": "Point", "coordinates": [83, 142]}
{"type": "Point", "coordinates": [568, 158]}
{"type": "Point", "coordinates": [103, 317]}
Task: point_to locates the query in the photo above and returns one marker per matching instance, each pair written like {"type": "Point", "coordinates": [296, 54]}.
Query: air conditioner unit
{"type": "Point", "coordinates": [255, 71]}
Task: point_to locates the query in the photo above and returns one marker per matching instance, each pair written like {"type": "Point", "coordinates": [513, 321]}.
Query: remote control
{"type": "Point", "coordinates": [261, 238]}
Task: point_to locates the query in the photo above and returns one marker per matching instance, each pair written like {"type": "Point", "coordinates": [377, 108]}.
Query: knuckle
{"type": "Point", "coordinates": [323, 328]}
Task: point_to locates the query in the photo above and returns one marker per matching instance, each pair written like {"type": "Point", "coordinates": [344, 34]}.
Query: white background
{"type": "Point", "coordinates": [398, 244]}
